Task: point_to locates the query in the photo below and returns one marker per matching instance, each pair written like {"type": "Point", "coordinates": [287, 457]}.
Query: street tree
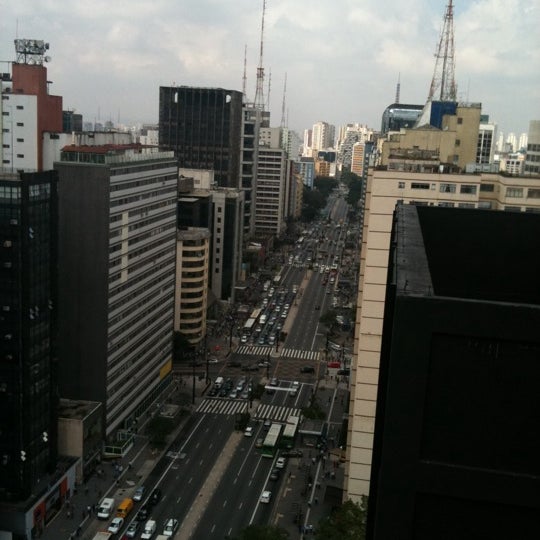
{"type": "Point", "coordinates": [346, 522]}
{"type": "Point", "coordinates": [262, 532]}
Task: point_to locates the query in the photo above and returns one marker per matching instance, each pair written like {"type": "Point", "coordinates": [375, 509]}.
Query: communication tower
{"type": "Point", "coordinates": [443, 85]}
{"type": "Point", "coordinates": [31, 51]}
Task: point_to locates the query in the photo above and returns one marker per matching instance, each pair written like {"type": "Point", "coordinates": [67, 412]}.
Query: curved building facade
{"type": "Point", "coordinates": [192, 283]}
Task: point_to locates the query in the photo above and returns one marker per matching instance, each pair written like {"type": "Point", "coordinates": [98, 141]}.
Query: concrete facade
{"type": "Point", "coordinates": [192, 268]}
{"type": "Point", "coordinates": [454, 144]}
{"type": "Point", "coordinates": [384, 188]}
{"type": "Point", "coordinates": [117, 256]}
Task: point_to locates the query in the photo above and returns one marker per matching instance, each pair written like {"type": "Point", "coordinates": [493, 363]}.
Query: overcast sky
{"type": "Point", "coordinates": [342, 57]}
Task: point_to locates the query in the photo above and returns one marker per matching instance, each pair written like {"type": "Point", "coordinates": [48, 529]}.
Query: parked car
{"type": "Point", "coordinates": [281, 462]}
{"type": "Point", "coordinates": [274, 475]}
{"type": "Point", "coordinates": [265, 497]}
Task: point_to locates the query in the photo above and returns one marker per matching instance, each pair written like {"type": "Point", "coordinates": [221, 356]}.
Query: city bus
{"type": "Point", "coordinates": [248, 327]}
{"type": "Point", "coordinates": [289, 432]}
{"type": "Point", "coordinates": [271, 441]}
{"type": "Point", "coordinates": [255, 314]}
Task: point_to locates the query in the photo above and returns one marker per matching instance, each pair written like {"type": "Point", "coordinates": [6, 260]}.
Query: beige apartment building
{"type": "Point", "coordinates": [454, 144]}
{"type": "Point", "coordinates": [191, 298]}
{"type": "Point", "coordinates": [384, 189]}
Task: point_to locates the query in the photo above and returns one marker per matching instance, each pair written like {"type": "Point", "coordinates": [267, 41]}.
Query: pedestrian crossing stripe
{"type": "Point", "coordinates": [275, 412]}
{"type": "Point", "coordinates": [222, 406]}
{"type": "Point", "coordinates": [300, 354]}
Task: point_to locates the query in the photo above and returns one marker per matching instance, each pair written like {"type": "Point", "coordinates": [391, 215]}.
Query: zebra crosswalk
{"type": "Point", "coordinates": [222, 406]}
{"type": "Point", "coordinates": [300, 354]}
{"type": "Point", "coordinates": [275, 412]}
{"type": "Point", "coordinates": [263, 350]}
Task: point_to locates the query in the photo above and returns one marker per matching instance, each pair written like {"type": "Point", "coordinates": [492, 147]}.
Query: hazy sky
{"type": "Point", "coordinates": [342, 57]}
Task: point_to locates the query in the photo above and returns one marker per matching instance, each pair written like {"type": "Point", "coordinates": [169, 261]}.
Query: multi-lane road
{"type": "Point", "coordinates": [212, 477]}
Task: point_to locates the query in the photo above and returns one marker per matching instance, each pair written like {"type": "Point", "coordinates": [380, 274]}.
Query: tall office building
{"type": "Point", "coordinates": [251, 125]}
{"type": "Point", "coordinates": [456, 436]}
{"type": "Point", "coordinates": [221, 211]}
{"type": "Point", "coordinates": [227, 237]}
{"type": "Point", "coordinates": [384, 188]}
{"type": "Point", "coordinates": [117, 255]}
{"type": "Point", "coordinates": [322, 136]}
{"type": "Point", "coordinates": [273, 177]}
{"type": "Point", "coordinates": [28, 335]}
{"type": "Point", "coordinates": [204, 128]}
{"type": "Point", "coordinates": [307, 171]}
{"type": "Point", "coordinates": [27, 109]}
{"type": "Point", "coordinates": [487, 135]}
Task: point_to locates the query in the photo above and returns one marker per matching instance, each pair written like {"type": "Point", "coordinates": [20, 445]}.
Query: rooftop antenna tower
{"type": "Point", "coordinates": [269, 88]}
{"type": "Point", "coordinates": [259, 90]}
{"type": "Point", "coordinates": [398, 88]}
{"type": "Point", "coordinates": [283, 109]}
{"type": "Point", "coordinates": [244, 78]}
{"type": "Point", "coordinates": [443, 85]}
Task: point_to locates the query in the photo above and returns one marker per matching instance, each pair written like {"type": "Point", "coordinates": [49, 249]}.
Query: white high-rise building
{"type": "Point", "coordinates": [323, 135]}
{"type": "Point", "coordinates": [511, 140]}
{"type": "Point", "coordinates": [522, 142]}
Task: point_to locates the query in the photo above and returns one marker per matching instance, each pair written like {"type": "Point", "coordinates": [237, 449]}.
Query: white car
{"type": "Point", "coordinates": [171, 526]}
{"type": "Point", "coordinates": [116, 525]}
{"type": "Point", "coordinates": [149, 530]}
{"type": "Point", "coordinates": [248, 432]}
{"type": "Point", "coordinates": [265, 497]}
{"type": "Point", "coordinates": [281, 462]}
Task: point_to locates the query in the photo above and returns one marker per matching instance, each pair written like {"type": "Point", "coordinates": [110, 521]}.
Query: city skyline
{"type": "Point", "coordinates": [342, 60]}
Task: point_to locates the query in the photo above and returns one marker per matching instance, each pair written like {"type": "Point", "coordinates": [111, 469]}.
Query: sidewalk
{"type": "Point", "coordinates": [77, 517]}
{"type": "Point", "coordinates": [314, 482]}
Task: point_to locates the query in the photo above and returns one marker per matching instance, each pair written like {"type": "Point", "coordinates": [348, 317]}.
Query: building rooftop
{"type": "Point", "coordinates": [76, 409]}
{"type": "Point", "coordinates": [471, 254]}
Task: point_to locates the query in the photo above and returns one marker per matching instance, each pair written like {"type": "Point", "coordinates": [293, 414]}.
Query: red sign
{"type": "Point", "coordinates": [334, 364]}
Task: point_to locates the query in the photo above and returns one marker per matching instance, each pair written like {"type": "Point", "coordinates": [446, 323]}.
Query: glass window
{"type": "Point", "coordinates": [420, 185]}
{"type": "Point", "coordinates": [447, 188]}
{"type": "Point", "coordinates": [487, 187]}
{"type": "Point", "coordinates": [468, 188]}
{"type": "Point", "coordinates": [514, 192]}
{"type": "Point", "coordinates": [533, 193]}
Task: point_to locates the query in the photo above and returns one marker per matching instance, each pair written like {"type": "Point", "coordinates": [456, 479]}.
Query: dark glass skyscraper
{"type": "Point", "coordinates": [204, 128]}
{"type": "Point", "coordinates": [28, 387]}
